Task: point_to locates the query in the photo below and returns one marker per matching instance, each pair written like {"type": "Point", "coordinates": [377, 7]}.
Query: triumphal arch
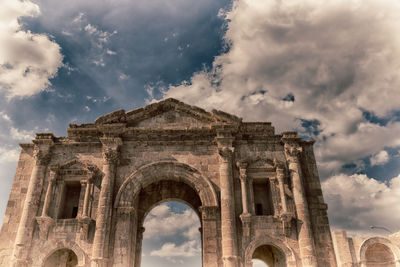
{"type": "Point", "coordinates": [81, 200]}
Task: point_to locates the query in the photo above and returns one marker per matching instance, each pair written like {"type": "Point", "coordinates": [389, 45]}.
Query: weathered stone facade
{"type": "Point", "coordinates": [82, 199]}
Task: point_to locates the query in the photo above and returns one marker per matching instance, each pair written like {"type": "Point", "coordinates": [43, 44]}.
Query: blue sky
{"type": "Point", "coordinates": [329, 70]}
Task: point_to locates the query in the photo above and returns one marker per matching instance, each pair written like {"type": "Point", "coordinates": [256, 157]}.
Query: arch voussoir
{"type": "Point", "coordinates": [165, 170]}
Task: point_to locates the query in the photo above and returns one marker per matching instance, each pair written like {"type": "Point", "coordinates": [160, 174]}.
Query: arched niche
{"type": "Point", "coordinates": [379, 251]}
{"type": "Point", "coordinates": [270, 250]}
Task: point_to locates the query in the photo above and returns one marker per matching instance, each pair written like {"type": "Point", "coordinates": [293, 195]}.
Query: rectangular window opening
{"type": "Point", "coordinates": [263, 198]}
{"type": "Point", "coordinates": [70, 202]}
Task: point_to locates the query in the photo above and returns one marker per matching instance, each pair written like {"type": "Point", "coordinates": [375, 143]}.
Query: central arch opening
{"type": "Point", "coordinates": [172, 236]}
{"type": "Point", "coordinates": [168, 212]}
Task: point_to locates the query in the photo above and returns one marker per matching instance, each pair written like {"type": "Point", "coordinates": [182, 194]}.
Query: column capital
{"type": "Point", "coordinates": [42, 157]}
{"type": "Point", "coordinates": [111, 147]}
{"type": "Point", "coordinates": [110, 156]}
{"type": "Point", "coordinates": [292, 146]}
{"type": "Point", "coordinates": [242, 170]}
{"type": "Point", "coordinates": [53, 173]}
{"type": "Point", "coordinates": [225, 153]}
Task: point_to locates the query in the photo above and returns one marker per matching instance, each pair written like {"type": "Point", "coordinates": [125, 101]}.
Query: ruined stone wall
{"type": "Point", "coordinates": [366, 251]}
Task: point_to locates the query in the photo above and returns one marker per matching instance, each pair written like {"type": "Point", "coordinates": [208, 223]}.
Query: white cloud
{"type": "Point", "coordinates": [8, 155]}
{"type": "Point", "coordinates": [186, 223]}
{"type": "Point", "coordinates": [357, 202]}
{"type": "Point", "coordinates": [380, 158]}
{"type": "Point", "coordinates": [337, 59]}
{"type": "Point", "coordinates": [4, 116]}
{"type": "Point", "coordinates": [21, 135]}
{"type": "Point", "coordinates": [185, 250]}
{"type": "Point", "coordinates": [27, 60]}
{"type": "Point", "coordinates": [110, 52]}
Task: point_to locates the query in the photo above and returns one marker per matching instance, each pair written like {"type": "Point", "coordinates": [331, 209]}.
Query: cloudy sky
{"type": "Point", "coordinates": [328, 69]}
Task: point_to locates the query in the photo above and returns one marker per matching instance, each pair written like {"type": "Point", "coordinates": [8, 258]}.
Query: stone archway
{"type": "Point", "coordinates": [62, 246]}
{"type": "Point", "coordinates": [62, 258]}
{"type": "Point", "coordinates": [151, 185]}
{"type": "Point", "coordinates": [270, 250]}
{"type": "Point", "coordinates": [378, 251]}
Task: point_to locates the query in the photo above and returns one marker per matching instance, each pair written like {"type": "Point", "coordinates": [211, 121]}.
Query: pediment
{"type": "Point", "coordinates": [168, 114]}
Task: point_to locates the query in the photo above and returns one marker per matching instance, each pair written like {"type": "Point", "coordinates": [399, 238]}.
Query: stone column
{"type": "Point", "coordinates": [49, 192]}
{"type": "Point", "coordinates": [228, 218]}
{"type": "Point", "coordinates": [42, 153]}
{"type": "Point", "coordinates": [280, 175]}
{"type": "Point", "coordinates": [104, 208]}
{"type": "Point", "coordinates": [243, 184]}
{"type": "Point", "coordinates": [305, 237]}
{"type": "Point", "coordinates": [87, 185]}
{"type": "Point", "coordinates": [245, 217]}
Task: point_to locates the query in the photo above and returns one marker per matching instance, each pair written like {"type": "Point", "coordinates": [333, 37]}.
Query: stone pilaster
{"type": "Point", "coordinates": [209, 222]}
{"type": "Point", "coordinates": [305, 237]}
{"type": "Point", "coordinates": [228, 218]}
{"type": "Point", "coordinates": [42, 155]}
{"type": "Point", "coordinates": [104, 209]}
{"type": "Point", "coordinates": [125, 237]}
{"type": "Point", "coordinates": [139, 240]}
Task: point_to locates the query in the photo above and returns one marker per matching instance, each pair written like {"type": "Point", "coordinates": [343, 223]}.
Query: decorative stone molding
{"type": "Point", "coordinates": [225, 153]}
{"type": "Point", "coordinates": [84, 225]}
{"type": "Point", "coordinates": [125, 210]}
{"type": "Point", "coordinates": [44, 223]}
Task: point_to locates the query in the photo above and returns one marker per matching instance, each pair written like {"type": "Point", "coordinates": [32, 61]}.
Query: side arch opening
{"type": "Point", "coordinates": [270, 255]}
{"type": "Point", "coordinates": [61, 258]}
